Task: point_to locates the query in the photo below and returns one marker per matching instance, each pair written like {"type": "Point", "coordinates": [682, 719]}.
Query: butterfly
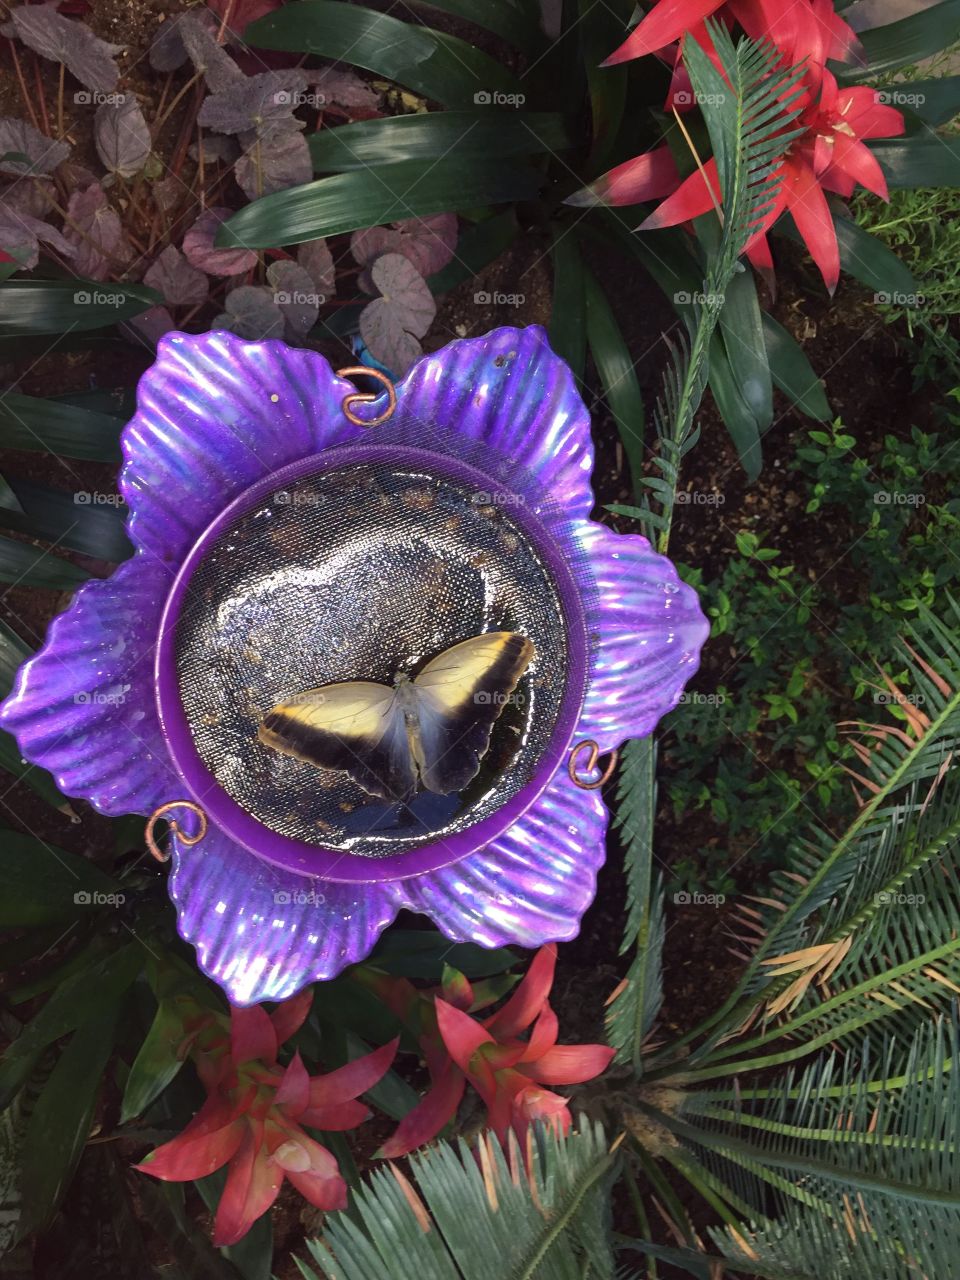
{"type": "Point", "coordinates": [431, 731]}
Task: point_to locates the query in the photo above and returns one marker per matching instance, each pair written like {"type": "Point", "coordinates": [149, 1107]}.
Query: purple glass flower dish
{"type": "Point", "coordinates": [279, 545]}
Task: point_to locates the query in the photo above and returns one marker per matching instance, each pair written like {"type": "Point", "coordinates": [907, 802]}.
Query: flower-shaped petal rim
{"type": "Point", "coordinates": [215, 416]}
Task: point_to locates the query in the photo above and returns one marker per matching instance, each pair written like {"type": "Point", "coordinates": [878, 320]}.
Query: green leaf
{"type": "Point", "coordinates": [484, 133]}
{"type": "Point", "coordinates": [253, 1254]}
{"type": "Point", "coordinates": [568, 315]}
{"type": "Point", "coordinates": [932, 102]}
{"type": "Point", "coordinates": [741, 382]}
{"type": "Point", "coordinates": [514, 23]}
{"type": "Point", "coordinates": [367, 198]}
{"type": "Point", "coordinates": [62, 1118]}
{"type": "Point", "coordinates": [408, 953]}
{"type": "Point", "coordinates": [548, 1219]}
{"type": "Point", "coordinates": [79, 999]}
{"type": "Point", "coordinates": [52, 426]}
{"type": "Point", "coordinates": [618, 374]}
{"type": "Point", "coordinates": [927, 160]}
{"type": "Point", "coordinates": [601, 29]}
{"type": "Point", "coordinates": [864, 256]}
{"type": "Point", "coordinates": [81, 521]}
{"type": "Point", "coordinates": [909, 40]}
{"type": "Point", "coordinates": [24, 565]}
{"type": "Point", "coordinates": [158, 1061]}
{"type": "Point", "coordinates": [438, 66]}
{"type": "Point", "coordinates": [58, 306]}
{"type": "Point", "coordinates": [39, 882]}
{"type": "Point", "coordinates": [477, 247]}
{"type": "Point", "coordinates": [793, 373]}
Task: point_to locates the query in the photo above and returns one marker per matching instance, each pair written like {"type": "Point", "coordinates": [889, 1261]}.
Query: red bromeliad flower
{"type": "Point", "coordinates": [507, 1071]}
{"type": "Point", "coordinates": [252, 1118]}
{"type": "Point", "coordinates": [810, 25]}
{"type": "Point", "coordinates": [829, 155]}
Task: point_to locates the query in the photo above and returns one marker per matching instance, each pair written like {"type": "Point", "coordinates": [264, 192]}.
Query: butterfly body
{"type": "Point", "coordinates": [429, 731]}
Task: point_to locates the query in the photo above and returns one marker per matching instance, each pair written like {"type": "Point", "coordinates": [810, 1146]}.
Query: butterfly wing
{"type": "Point", "coordinates": [458, 697]}
{"type": "Point", "coordinates": [357, 727]}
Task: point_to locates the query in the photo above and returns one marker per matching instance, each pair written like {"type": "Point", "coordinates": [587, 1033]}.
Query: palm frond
{"type": "Point", "coordinates": [854, 1162]}
{"type": "Point", "coordinates": [481, 1214]}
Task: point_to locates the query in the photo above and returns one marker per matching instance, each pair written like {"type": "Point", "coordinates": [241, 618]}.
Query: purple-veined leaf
{"type": "Point", "coordinates": [199, 250]}
{"type": "Point", "coordinates": [274, 166]}
{"type": "Point", "coordinates": [121, 136]}
{"type": "Point", "coordinates": [198, 33]}
{"type": "Point", "coordinates": [392, 324]}
{"type": "Point", "coordinates": [151, 325]}
{"type": "Point", "coordinates": [17, 138]}
{"type": "Point", "coordinates": [296, 295]}
{"type": "Point", "coordinates": [21, 232]}
{"type": "Point", "coordinates": [96, 231]}
{"type": "Point", "coordinates": [252, 313]}
{"type": "Point", "coordinates": [428, 242]}
{"type": "Point", "coordinates": [317, 260]}
{"type": "Point", "coordinates": [344, 88]}
{"type": "Point", "coordinates": [257, 102]}
{"type": "Point", "coordinates": [86, 56]}
{"type": "Point", "coordinates": [172, 275]}
{"type": "Point", "coordinates": [167, 51]}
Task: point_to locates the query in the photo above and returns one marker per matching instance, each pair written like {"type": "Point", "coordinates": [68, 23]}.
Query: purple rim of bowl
{"type": "Point", "coordinates": [316, 860]}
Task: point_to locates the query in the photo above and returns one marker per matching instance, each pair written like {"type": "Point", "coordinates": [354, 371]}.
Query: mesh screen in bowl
{"type": "Point", "coordinates": [359, 564]}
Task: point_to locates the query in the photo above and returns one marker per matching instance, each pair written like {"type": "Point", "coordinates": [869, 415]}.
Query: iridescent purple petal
{"type": "Point", "coordinates": [262, 933]}
{"type": "Point", "coordinates": [83, 707]}
{"type": "Point", "coordinates": [214, 415]}
{"type": "Point", "coordinates": [510, 394]}
{"type": "Point", "coordinates": [529, 886]}
{"type": "Point", "coordinates": [648, 629]}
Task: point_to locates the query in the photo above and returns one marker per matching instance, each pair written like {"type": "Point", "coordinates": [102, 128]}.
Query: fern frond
{"type": "Point", "coordinates": [481, 1214]}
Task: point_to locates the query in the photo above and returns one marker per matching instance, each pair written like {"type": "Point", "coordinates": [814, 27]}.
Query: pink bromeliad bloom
{"type": "Point", "coordinates": [829, 155]}
{"type": "Point", "coordinates": [251, 1121]}
{"type": "Point", "coordinates": [510, 1070]}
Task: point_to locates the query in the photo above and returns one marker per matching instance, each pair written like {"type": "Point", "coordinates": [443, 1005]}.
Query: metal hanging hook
{"type": "Point", "coordinates": [578, 773]}
{"type": "Point", "coordinates": [367, 397]}
{"type": "Point", "coordinates": [164, 809]}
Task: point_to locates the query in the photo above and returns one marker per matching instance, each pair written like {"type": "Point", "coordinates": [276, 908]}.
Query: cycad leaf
{"type": "Point", "coordinates": [479, 1215]}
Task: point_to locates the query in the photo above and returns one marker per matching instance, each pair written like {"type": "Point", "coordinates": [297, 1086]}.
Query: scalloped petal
{"type": "Point", "coordinates": [83, 706]}
{"type": "Point", "coordinates": [647, 628]}
{"type": "Point", "coordinates": [214, 415]}
{"type": "Point", "coordinates": [529, 886]}
{"type": "Point", "coordinates": [507, 392]}
{"type": "Point", "coordinates": [262, 933]}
